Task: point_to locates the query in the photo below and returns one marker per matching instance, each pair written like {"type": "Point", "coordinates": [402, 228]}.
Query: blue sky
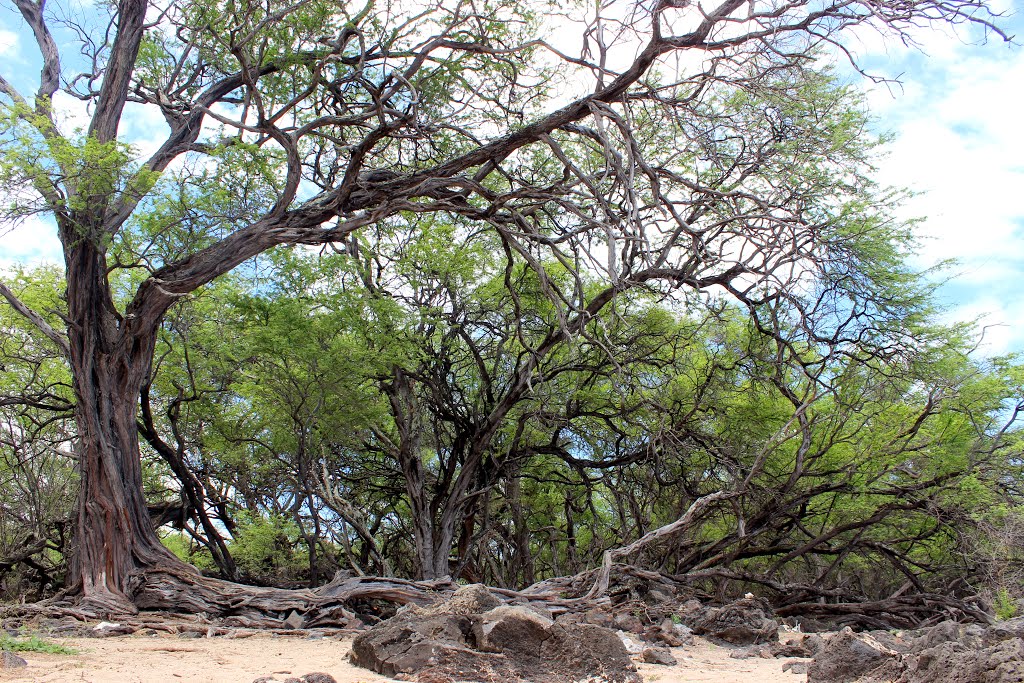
{"type": "Point", "coordinates": [957, 117]}
{"type": "Point", "coordinates": [957, 120]}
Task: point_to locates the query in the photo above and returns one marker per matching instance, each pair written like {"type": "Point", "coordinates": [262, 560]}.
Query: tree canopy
{"type": "Point", "coordinates": [535, 287]}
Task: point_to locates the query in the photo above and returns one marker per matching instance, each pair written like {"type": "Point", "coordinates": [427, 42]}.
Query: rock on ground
{"type": "Point", "coordinates": [946, 653]}
{"type": "Point", "coordinates": [658, 655]}
{"type": "Point", "coordinates": [952, 662]}
{"type": "Point", "coordinates": [473, 637]}
{"type": "Point", "coordinates": [744, 622]}
{"type": "Point", "coordinates": [315, 677]}
{"type": "Point", "coordinates": [9, 660]}
{"type": "Point", "coordinates": [849, 656]}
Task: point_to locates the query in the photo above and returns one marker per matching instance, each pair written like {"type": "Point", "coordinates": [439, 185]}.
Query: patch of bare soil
{"type": "Point", "coordinates": [162, 659]}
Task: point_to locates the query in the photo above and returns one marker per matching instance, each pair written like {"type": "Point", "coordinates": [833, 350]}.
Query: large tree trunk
{"type": "Point", "coordinates": [110, 360]}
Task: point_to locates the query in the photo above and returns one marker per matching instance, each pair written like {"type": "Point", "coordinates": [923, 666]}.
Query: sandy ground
{"type": "Point", "coordinates": [146, 659]}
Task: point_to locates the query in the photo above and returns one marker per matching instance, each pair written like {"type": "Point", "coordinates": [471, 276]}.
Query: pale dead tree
{"type": "Point", "coordinates": [664, 153]}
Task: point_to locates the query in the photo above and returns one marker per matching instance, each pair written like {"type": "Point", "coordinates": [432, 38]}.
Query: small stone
{"type": "Point", "coordinates": [105, 629]}
{"type": "Point", "coordinates": [598, 618]}
{"type": "Point", "coordinates": [682, 630]}
{"type": "Point", "coordinates": [658, 655]}
{"type": "Point", "coordinates": [791, 649]}
{"type": "Point", "coordinates": [632, 647]}
{"type": "Point", "coordinates": [294, 620]}
{"type": "Point", "coordinates": [690, 605]}
{"type": "Point", "coordinates": [762, 651]}
{"type": "Point", "coordinates": [668, 634]}
{"type": "Point", "coordinates": [318, 677]}
{"type": "Point", "coordinates": [9, 660]}
{"type": "Point", "coordinates": [628, 622]}
{"type": "Point", "coordinates": [795, 667]}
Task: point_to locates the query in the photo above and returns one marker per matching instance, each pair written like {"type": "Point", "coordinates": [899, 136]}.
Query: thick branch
{"type": "Point", "coordinates": [601, 584]}
{"type": "Point", "coordinates": [53, 335]}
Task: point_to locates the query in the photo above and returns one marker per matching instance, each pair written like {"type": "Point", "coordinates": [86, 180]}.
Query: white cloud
{"type": "Point", "coordinates": [145, 127]}
{"type": "Point", "coordinates": [71, 113]}
{"type": "Point", "coordinates": [30, 242]}
{"type": "Point", "coordinates": [958, 143]}
{"type": "Point", "coordinates": [8, 43]}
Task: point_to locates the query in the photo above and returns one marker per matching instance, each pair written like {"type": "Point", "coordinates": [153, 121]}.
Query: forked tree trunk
{"type": "Point", "coordinates": [119, 564]}
{"type": "Point", "coordinates": [110, 359]}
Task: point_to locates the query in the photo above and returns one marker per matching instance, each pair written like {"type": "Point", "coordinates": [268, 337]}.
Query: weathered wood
{"type": "Point", "coordinates": [601, 584]}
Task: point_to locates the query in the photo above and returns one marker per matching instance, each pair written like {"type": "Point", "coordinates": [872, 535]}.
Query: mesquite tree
{"type": "Point", "coordinates": [643, 157]}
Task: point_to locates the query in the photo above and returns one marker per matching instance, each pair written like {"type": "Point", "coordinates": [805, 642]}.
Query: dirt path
{"type": "Point", "coordinates": [143, 659]}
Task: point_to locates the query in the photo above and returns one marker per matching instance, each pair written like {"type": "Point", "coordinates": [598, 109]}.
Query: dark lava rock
{"type": "Point", "coordinates": [972, 635]}
{"type": "Point", "coordinates": [1004, 630]}
{"type": "Point", "coordinates": [795, 667]}
{"type": "Point", "coordinates": [314, 677]}
{"type": "Point", "coordinates": [9, 660]}
{"type": "Point", "coordinates": [849, 656]}
{"type": "Point", "coordinates": [628, 622]}
{"type": "Point", "coordinates": [946, 653]}
{"type": "Point", "coordinates": [658, 597]}
{"type": "Point", "coordinates": [507, 627]}
{"type": "Point", "coordinates": [794, 648]}
{"type": "Point", "coordinates": [658, 655]}
{"type": "Point", "coordinates": [743, 622]}
{"type": "Point", "coordinates": [409, 642]}
{"type": "Point", "coordinates": [471, 638]}
{"type": "Point", "coordinates": [814, 643]}
{"type": "Point", "coordinates": [318, 677]}
{"type": "Point", "coordinates": [953, 662]}
{"type": "Point", "coordinates": [670, 633]}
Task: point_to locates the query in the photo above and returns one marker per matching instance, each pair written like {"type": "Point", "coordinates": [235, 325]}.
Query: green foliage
{"type": "Point", "coordinates": [33, 643]}
{"type": "Point", "coordinates": [695, 287]}
{"type": "Point", "coordinates": [38, 478]}
{"type": "Point", "coordinates": [1006, 605]}
{"type": "Point", "coordinates": [265, 546]}
{"type": "Point", "coordinates": [186, 550]}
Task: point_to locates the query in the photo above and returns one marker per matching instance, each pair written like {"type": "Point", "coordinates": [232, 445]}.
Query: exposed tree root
{"type": "Point", "coordinates": [177, 599]}
{"type": "Point", "coordinates": [171, 590]}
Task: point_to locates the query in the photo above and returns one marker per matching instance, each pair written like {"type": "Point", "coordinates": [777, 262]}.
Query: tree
{"type": "Point", "coordinates": [36, 463]}
{"type": "Point", "coordinates": [301, 123]}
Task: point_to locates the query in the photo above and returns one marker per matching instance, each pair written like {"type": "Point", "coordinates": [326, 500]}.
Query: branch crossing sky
{"type": "Point", "coordinates": [957, 116]}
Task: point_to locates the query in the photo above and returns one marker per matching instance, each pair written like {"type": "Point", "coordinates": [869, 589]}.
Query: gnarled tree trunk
{"type": "Point", "coordinates": [110, 359]}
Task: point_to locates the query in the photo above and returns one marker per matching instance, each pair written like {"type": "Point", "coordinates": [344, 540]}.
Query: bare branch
{"type": "Point", "coordinates": [53, 335]}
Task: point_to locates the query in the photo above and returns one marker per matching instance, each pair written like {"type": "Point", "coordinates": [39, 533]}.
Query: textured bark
{"type": "Point", "coordinates": [192, 488]}
{"type": "Point", "coordinates": [110, 360]}
{"type": "Point", "coordinates": [174, 588]}
{"type": "Point", "coordinates": [118, 556]}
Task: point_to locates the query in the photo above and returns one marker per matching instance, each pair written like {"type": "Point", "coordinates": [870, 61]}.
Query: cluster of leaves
{"type": "Point", "coordinates": [37, 468]}
{"type": "Point", "coordinates": [520, 353]}
{"type": "Point", "coordinates": [33, 643]}
{"type": "Point", "coordinates": [347, 392]}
